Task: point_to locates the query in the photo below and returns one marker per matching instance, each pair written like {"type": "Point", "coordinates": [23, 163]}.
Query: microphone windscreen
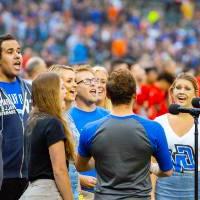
{"type": "Point", "coordinates": [174, 109]}
{"type": "Point", "coordinates": [196, 102]}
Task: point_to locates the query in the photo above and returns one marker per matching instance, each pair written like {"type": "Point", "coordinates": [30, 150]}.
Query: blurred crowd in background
{"type": "Point", "coordinates": [94, 31]}
{"type": "Point", "coordinates": [155, 38]}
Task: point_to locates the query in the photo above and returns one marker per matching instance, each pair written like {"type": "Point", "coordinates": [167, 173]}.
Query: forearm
{"type": "Point", "coordinates": [91, 164]}
{"type": "Point", "coordinates": [86, 166]}
{"type": "Point", "coordinates": [63, 183]}
{"type": "Point", "coordinates": [156, 171]}
{"type": "Point", "coordinates": [153, 182]}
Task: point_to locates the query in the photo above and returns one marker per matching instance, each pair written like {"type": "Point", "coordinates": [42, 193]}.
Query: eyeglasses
{"type": "Point", "coordinates": [89, 81]}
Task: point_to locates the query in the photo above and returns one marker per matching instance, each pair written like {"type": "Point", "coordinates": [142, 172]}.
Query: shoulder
{"type": "Point", "coordinates": [91, 127]}
{"type": "Point", "coordinates": [47, 119]}
{"type": "Point", "coordinates": [73, 110]}
{"type": "Point", "coordinates": [102, 110]}
{"type": "Point", "coordinates": [146, 121]}
{"type": "Point", "coordinates": [152, 128]}
{"type": "Point", "coordinates": [97, 122]}
{"type": "Point", "coordinates": [90, 130]}
{"type": "Point", "coordinates": [53, 120]}
{"type": "Point", "coordinates": [27, 85]}
{"type": "Point", "coordinates": [161, 119]}
{"type": "Point", "coordinates": [53, 125]}
{"type": "Point", "coordinates": [154, 131]}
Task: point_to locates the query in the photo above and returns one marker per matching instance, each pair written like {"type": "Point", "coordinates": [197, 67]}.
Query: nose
{"type": "Point", "coordinates": [74, 84]}
{"type": "Point", "coordinates": [100, 85]}
{"type": "Point", "coordinates": [182, 90]}
{"type": "Point", "coordinates": [17, 55]}
{"type": "Point", "coordinates": [93, 83]}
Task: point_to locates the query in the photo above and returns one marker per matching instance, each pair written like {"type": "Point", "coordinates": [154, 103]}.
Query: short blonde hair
{"type": "Point", "coordinates": [83, 68]}
{"type": "Point", "coordinates": [99, 68]}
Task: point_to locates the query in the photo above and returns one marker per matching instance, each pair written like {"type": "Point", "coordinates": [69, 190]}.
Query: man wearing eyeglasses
{"type": "Point", "coordinates": [85, 111]}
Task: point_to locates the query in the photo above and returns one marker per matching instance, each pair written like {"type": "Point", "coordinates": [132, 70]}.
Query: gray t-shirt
{"type": "Point", "coordinates": [122, 148]}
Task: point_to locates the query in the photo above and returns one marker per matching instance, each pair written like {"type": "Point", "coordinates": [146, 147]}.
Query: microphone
{"type": "Point", "coordinates": [196, 102]}
{"type": "Point", "coordinates": [175, 109]}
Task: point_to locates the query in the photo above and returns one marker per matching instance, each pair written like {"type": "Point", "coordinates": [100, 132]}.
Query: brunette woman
{"type": "Point", "coordinates": [49, 143]}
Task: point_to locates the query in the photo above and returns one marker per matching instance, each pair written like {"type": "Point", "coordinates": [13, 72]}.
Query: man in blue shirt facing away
{"type": "Point", "coordinates": [15, 100]}
{"type": "Point", "coordinates": [122, 144]}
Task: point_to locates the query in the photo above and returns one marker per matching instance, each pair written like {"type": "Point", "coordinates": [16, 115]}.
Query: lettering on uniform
{"type": "Point", "coordinates": [183, 158]}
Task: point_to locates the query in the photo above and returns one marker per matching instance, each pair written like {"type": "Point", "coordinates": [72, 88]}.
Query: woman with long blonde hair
{"type": "Point", "coordinates": [49, 143]}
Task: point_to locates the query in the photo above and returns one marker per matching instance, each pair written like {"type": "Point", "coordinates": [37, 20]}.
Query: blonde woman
{"type": "Point", "coordinates": [179, 130]}
{"type": "Point", "coordinates": [49, 143]}
{"type": "Point", "coordinates": [102, 75]}
{"type": "Point", "coordinates": [68, 76]}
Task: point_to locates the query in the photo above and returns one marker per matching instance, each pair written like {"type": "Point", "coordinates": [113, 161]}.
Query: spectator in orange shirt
{"type": "Point", "coordinates": [119, 47]}
{"type": "Point", "coordinates": [112, 13]}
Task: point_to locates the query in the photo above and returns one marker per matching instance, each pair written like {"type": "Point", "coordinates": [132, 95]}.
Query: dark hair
{"type": "Point", "coordinates": [121, 86]}
{"type": "Point", "coordinates": [150, 69]}
{"type": "Point", "coordinates": [169, 78]}
{"type": "Point", "coordinates": [5, 38]}
{"type": "Point", "coordinates": [116, 62]}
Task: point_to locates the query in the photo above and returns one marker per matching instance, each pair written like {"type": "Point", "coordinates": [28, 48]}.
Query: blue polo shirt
{"type": "Point", "coordinates": [81, 118]}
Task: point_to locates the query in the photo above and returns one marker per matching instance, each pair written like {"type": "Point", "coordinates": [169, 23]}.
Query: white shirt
{"type": "Point", "coordinates": [181, 147]}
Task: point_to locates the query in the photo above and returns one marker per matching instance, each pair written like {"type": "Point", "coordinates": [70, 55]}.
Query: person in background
{"type": "Point", "coordinates": [34, 67]}
{"type": "Point", "coordinates": [83, 112]}
{"type": "Point", "coordinates": [120, 63]}
{"type": "Point", "coordinates": [122, 144]}
{"type": "Point", "coordinates": [102, 75]}
{"type": "Point", "coordinates": [15, 105]}
{"type": "Point", "coordinates": [49, 144]}
{"type": "Point", "coordinates": [179, 130]}
{"type": "Point", "coordinates": [170, 67]}
{"type": "Point", "coordinates": [156, 100]}
{"type": "Point", "coordinates": [139, 74]}
{"type": "Point", "coordinates": [68, 76]}
{"type": "Point", "coordinates": [152, 74]}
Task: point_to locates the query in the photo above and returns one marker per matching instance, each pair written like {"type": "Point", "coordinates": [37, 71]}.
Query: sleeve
{"type": "Point", "coordinates": [161, 151]}
{"type": "Point", "coordinates": [55, 132]}
{"type": "Point", "coordinates": [83, 148]}
{"type": "Point", "coordinates": [87, 137]}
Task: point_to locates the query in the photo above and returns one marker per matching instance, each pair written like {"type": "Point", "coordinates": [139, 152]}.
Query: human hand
{"type": "Point", "coordinates": [88, 181]}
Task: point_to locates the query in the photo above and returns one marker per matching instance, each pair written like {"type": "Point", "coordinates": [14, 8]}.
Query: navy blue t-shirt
{"type": "Point", "coordinates": [46, 131]}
